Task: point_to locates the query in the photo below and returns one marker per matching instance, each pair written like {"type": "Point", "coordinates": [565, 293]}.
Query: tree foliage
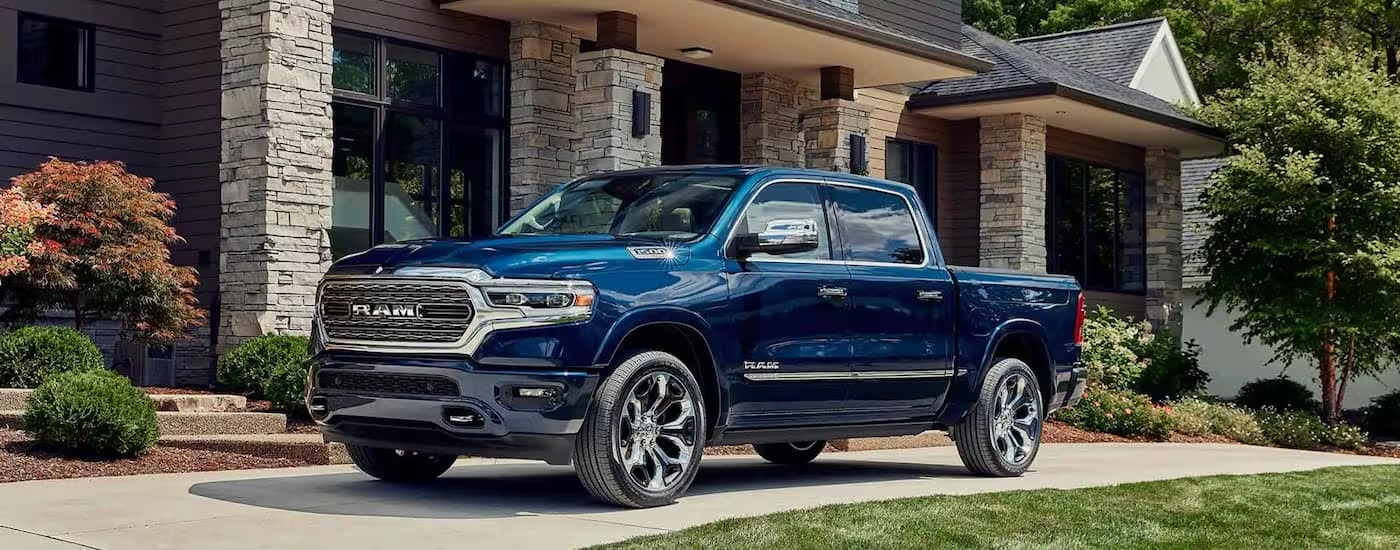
{"type": "Point", "coordinates": [19, 217]}
{"type": "Point", "coordinates": [1305, 242]}
{"type": "Point", "coordinates": [112, 255]}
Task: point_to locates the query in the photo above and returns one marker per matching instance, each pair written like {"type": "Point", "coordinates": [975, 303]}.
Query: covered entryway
{"type": "Point", "coordinates": [699, 115]}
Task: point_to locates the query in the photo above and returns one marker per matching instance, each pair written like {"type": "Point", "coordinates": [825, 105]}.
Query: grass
{"type": "Point", "coordinates": [1351, 507]}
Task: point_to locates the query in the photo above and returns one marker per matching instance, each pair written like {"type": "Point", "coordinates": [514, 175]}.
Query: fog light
{"type": "Point", "coordinates": [535, 392]}
{"type": "Point", "coordinates": [462, 418]}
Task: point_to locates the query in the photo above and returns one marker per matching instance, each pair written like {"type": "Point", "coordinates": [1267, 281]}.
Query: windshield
{"type": "Point", "coordinates": [672, 206]}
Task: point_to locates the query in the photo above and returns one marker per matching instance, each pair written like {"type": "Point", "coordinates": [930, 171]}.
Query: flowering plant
{"type": "Point", "coordinates": [19, 217]}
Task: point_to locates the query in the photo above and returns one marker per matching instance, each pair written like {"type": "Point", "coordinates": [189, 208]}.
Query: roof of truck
{"type": "Point", "coordinates": [752, 169]}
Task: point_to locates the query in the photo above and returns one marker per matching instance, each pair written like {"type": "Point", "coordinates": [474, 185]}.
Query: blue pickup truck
{"type": "Point", "coordinates": [627, 320]}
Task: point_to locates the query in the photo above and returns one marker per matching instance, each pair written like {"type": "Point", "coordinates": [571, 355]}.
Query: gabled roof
{"type": "Point", "coordinates": [1023, 72]}
{"type": "Point", "coordinates": [1196, 175]}
{"type": "Point", "coordinates": [1114, 52]}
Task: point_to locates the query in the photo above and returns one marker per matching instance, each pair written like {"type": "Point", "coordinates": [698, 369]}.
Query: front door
{"type": "Point", "coordinates": [901, 306]}
{"type": "Point", "coordinates": [790, 322]}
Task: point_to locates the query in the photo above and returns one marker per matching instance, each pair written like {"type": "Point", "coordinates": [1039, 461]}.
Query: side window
{"type": "Point", "coordinates": [876, 227]}
{"type": "Point", "coordinates": [788, 203]}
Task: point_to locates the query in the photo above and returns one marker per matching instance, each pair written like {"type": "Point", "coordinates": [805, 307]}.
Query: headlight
{"type": "Point", "coordinates": [543, 300]}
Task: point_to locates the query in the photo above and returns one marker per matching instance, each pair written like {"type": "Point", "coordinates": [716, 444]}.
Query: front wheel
{"type": "Point", "coordinates": [397, 465]}
{"type": "Point", "coordinates": [640, 445]}
{"type": "Point", "coordinates": [790, 454]}
{"type": "Point", "coordinates": [1001, 436]}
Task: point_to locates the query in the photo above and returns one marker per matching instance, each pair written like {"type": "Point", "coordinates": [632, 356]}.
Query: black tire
{"type": "Point", "coordinates": [981, 451]}
{"type": "Point", "coordinates": [399, 466]}
{"type": "Point", "coordinates": [790, 454]}
{"type": "Point", "coordinates": [598, 458]}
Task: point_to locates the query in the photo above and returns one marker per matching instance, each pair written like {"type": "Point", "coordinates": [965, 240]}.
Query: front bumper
{"type": "Point", "coordinates": [463, 409]}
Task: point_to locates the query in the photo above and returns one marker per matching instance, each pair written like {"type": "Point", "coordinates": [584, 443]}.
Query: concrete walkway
{"type": "Point", "coordinates": [508, 504]}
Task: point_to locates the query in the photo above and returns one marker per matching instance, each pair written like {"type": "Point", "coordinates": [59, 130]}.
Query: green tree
{"type": "Point", "coordinates": [1305, 243]}
{"type": "Point", "coordinates": [1009, 19]}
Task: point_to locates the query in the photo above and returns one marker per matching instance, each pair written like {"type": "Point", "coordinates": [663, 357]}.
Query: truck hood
{"type": "Point", "coordinates": [563, 256]}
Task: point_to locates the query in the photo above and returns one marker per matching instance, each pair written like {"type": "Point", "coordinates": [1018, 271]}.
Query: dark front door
{"type": "Point", "coordinates": [699, 115]}
{"type": "Point", "coordinates": [791, 324]}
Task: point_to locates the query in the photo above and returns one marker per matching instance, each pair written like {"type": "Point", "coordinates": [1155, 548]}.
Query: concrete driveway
{"type": "Point", "coordinates": [508, 504]}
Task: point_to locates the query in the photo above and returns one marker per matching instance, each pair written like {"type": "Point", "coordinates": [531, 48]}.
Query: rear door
{"type": "Point", "coordinates": [901, 304]}
{"type": "Point", "coordinates": [791, 317]}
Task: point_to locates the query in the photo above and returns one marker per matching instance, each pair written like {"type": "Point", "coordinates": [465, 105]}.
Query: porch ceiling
{"type": "Point", "coordinates": [1085, 117]}
{"type": "Point", "coordinates": [749, 36]}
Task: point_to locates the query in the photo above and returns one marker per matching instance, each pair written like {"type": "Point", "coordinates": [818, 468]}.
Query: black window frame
{"type": "Point", "coordinates": [383, 106]}
{"type": "Point", "coordinates": [920, 159]}
{"type": "Point", "coordinates": [89, 71]}
{"type": "Point", "coordinates": [926, 249]}
{"type": "Point", "coordinates": [1081, 273]}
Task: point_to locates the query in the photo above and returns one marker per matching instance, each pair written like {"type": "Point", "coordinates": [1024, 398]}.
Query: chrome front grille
{"type": "Point", "coordinates": [401, 311]}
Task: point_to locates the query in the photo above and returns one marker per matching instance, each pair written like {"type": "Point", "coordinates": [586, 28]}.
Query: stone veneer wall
{"type": "Point", "coordinates": [275, 169]}
{"type": "Point", "coordinates": [543, 121]}
{"type": "Point", "coordinates": [827, 128]}
{"type": "Point", "coordinates": [770, 115]}
{"type": "Point", "coordinates": [1012, 225]}
{"type": "Point", "coordinates": [606, 81]}
{"type": "Point", "coordinates": [1164, 261]}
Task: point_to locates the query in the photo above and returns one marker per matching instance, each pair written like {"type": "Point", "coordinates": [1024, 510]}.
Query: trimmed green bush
{"type": "Point", "coordinates": [1110, 349]}
{"type": "Point", "coordinates": [250, 366]}
{"type": "Point", "coordinates": [1282, 393]}
{"type": "Point", "coordinates": [286, 386]}
{"type": "Point", "coordinates": [31, 354]}
{"type": "Point", "coordinates": [1382, 416]}
{"type": "Point", "coordinates": [1119, 413]}
{"type": "Point", "coordinates": [1197, 417]}
{"type": "Point", "coordinates": [95, 413]}
{"type": "Point", "coordinates": [1173, 369]}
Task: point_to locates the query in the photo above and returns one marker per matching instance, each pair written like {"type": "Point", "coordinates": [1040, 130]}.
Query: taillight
{"type": "Point", "coordinates": [1079, 320]}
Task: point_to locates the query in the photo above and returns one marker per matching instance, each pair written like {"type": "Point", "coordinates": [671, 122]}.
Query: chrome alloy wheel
{"type": "Point", "coordinates": [1016, 420]}
{"type": "Point", "coordinates": [657, 431]}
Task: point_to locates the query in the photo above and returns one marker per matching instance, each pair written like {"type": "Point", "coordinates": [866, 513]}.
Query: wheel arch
{"type": "Point", "coordinates": [1022, 339]}
{"type": "Point", "coordinates": [682, 333]}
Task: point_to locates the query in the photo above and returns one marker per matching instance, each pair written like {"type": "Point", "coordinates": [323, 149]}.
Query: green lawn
{"type": "Point", "coordinates": [1354, 507]}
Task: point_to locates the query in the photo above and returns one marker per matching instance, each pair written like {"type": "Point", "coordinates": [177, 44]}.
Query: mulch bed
{"type": "Point", "coordinates": [1058, 432]}
{"type": "Point", "coordinates": [156, 390]}
{"type": "Point", "coordinates": [20, 461]}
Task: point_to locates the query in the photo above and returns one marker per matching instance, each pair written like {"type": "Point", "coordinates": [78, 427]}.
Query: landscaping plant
{"type": "Point", "coordinates": [1304, 430]}
{"type": "Point", "coordinates": [1280, 393]}
{"type": "Point", "coordinates": [93, 413]}
{"type": "Point", "coordinates": [1172, 369]}
{"type": "Point", "coordinates": [1382, 416]}
{"type": "Point", "coordinates": [1118, 412]}
{"type": "Point", "coordinates": [1110, 349]}
{"type": "Point", "coordinates": [1197, 417]}
{"type": "Point", "coordinates": [18, 219]}
{"type": "Point", "coordinates": [112, 258]}
{"type": "Point", "coordinates": [30, 355]}
{"type": "Point", "coordinates": [271, 366]}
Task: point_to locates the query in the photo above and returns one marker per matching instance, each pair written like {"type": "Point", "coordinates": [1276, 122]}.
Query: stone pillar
{"type": "Point", "coordinates": [770, 114]}
{"type": "Point", "coordinates": [607, 80]}
{"type": "Point", "coordinates": [543, 125]}
{"type": "Point", "coordinates": [1011, 230]}
{"type": "Point", "coordinates": [1164, 297]}
{"type": "Point", "coordinates": [828, 127]}
{"type": "Point", "coordinates": [275, 167]}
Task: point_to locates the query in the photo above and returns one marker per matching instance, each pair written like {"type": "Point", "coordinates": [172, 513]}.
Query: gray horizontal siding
{"type": "Point", "coordinates": [424, 22]}
{"type": "Point", "coordinates": [936, 20]}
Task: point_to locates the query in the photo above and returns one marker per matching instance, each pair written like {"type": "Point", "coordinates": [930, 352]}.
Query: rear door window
{"type": "Point", "coordinates": [876, 227]}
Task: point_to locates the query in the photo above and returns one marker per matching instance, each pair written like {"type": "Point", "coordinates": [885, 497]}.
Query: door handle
{"type": "Point", "coordinates": [832, 292]}
{"type": "Point", "coordinates": [930, 295]}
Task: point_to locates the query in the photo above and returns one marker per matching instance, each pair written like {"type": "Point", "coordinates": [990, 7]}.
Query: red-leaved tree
{"type": "Point", "coordinates": [112, 255]}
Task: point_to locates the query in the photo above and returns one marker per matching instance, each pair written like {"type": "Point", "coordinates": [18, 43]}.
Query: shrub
{"type": "Point", "coordinates": [1304, 430]}
{"type": "Point", "coordinates": [1382, 416]}
{"type": "Point", "coordinates": [251, 365]}
{"type": "Point", "coordinates": [94, 412]}
{"type": "Point", "coordinates": [286, 386]}
{"type": "Point", "coordinates": [1119, 413]}
{"type": "Point", "coordinates": [1198, 417]}
{"type": "Point", "coordinates": [1172, 370]}
{"type": "Point", "coordinates": [1110, 349]}
{"type": "Point", "coordinates": [31, 354]}
{"type": "Point", "coordinates": [1280, 393]}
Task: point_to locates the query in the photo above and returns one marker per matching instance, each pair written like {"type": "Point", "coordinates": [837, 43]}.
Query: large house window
{"type": "Point", "coordinates": [916, 164]}
{"type": "Point", "coordinates": [418, 143]}
{"type": "Point", "coordinates": [1097, 225]}
{"type": "Point", "coordinates": [55, 52]}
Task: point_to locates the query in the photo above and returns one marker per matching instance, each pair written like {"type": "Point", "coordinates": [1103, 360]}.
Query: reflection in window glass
{"type": "Point", "coordinates": [54, 52]}
{"type": "Point", "coordinates": [471, 172]}
{"type": "Point", "coordinates": [1132, 234]}
{"type": "Point", "coordinates": [789, 202]}
{"type": "Point", "coordinates": [410, 177]}
{"type": "Point", "coordinates": [876, 227]}
{"type": "Point", "coordinates": [412, 74]}
{"type": "Point", "coordinates": [353, 67]}
{"type": "Point", "coordinates": [1096, 229]}
{"type": "Point", "coordinates": [351, 165]}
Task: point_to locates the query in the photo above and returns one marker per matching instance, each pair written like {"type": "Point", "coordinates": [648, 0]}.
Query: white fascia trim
{"type": "Point", "coordinates": [1166, 42]}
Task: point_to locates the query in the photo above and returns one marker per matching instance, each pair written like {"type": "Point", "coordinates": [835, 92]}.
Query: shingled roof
{"type": "Point", "coordinates": [1114, 52]}
{"type": "Point", "coordinates": [1195, 176]}
{"type": "Point", "coordinates": [1023, 72]}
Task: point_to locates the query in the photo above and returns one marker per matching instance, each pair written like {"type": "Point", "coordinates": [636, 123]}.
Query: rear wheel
{"type": "Point", "coordinates": [641, 443]}
{"type": "Point", "coordinates": [398, 465]}
{"type": "Point", "coordinates": [1001, 436]}
{"type": "Point", "coordinates": [790, 454]}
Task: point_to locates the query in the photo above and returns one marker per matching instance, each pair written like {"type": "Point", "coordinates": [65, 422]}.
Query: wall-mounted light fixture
{"type": "Point", "coordinates": [697, 53]}
{"type": "Point", "coordinates": [641, 113]}
{"type": "Point", "coordinates": [859, 160]}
